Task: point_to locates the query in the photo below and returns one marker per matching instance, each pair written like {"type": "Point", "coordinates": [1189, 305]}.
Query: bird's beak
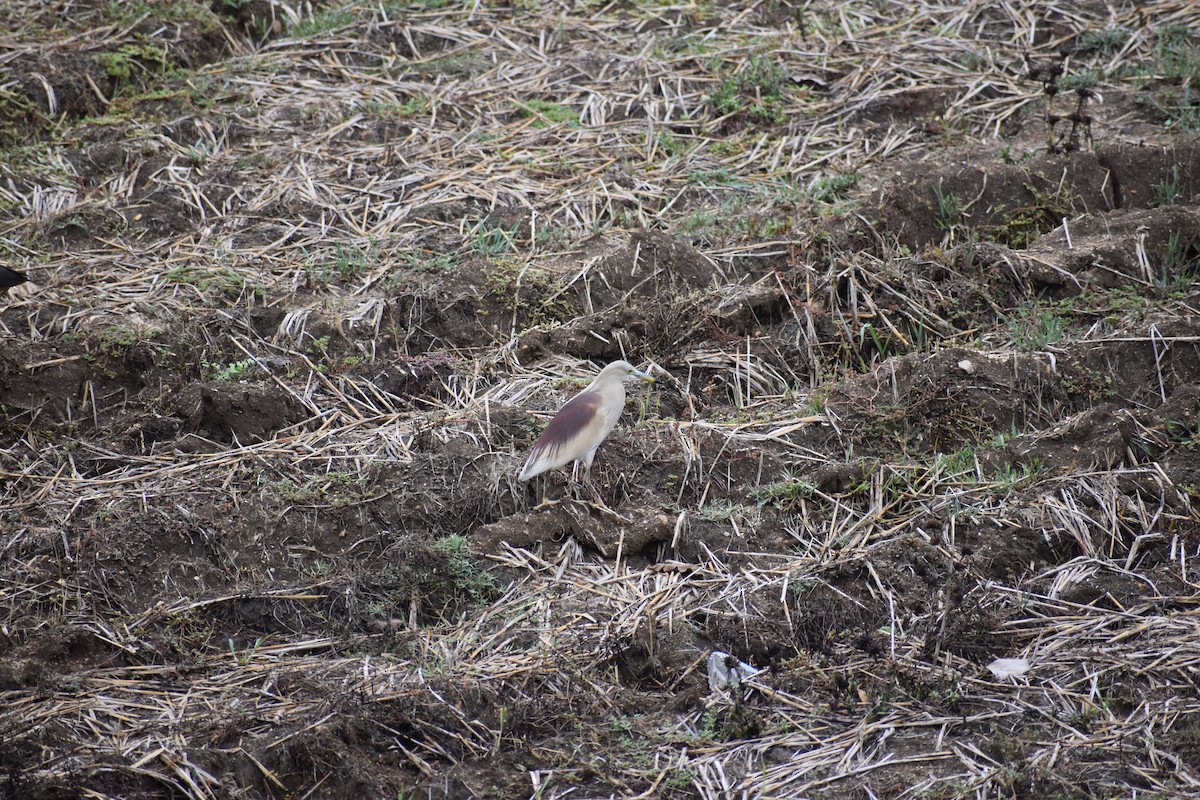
{"type": "Point", "coordinates": [637, 373]}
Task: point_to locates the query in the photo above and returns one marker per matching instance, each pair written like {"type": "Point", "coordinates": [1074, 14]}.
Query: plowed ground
{"type": "Point", "coordinates": [918, 284]}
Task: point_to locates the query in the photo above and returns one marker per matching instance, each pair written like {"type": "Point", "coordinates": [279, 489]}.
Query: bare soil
{"type": "Point", "coordinates": [918, 284]}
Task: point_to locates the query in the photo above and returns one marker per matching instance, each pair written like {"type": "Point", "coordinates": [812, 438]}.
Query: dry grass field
{"type": "Point", "coordinates": [919, 284]}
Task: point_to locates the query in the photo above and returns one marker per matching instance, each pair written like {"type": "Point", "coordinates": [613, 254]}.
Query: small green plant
{"type": "Point", "coordinates": [1180, 105]}
{"type": "Point", "coordinates": [352, 263]}
{"type": "Point", "coordinates": [382, 109]}
{"type": "Point", "coordinates": [725, 510]}
{"type": "Point", "coordinates": [546, 113]}
{"type": "Point", "coordinates": [1017, 476]}
{"type": "Point", "coordinates": [784, 192]}
{"type": "Point", "coordinates": [461, 64]}
{"type": "Point", "coordinates": [131, 12]}
{"type": "Point", "coordinates": [131, 59]}
{"type": "Point", "coordinates": [321, 22]}
{"type": "Point", "coordinates": [319, 569]}
{"type": "Point", "coordinates": [415, 106]}
{"type": "Point", "coordinates": [699, 221]}
{"type": "Point", "coordinates": [346, 263]}
{"type": "Point", "coordinates": [1024, 224]}
{"type": "Point", "coordinates": [1082, 382]}
{"type": "Point", "coordinates": [1185, 431]}
{"type": "Point", "coordinates": [246, 656]}
{"type": "Point", "coordinates": [814, 401]}
{"type": "Point", "coordinates": [116, 340]}
{"type": "Point", "coordinates": [1178, 270]}
{"type": "Point", "coordinates": [669, 143]}
{"type": "Point", "coordinates": [477, 584]}
{"type": "Point", "coordinates": [1169, 75]}
{"type": "Point", "coordinates": [1037, 326]}
{"type": "Point", "coordinates": [228, 372]}
{"type": "Point", "coordinates": [832, 188]}
{"type": "Point", "coordinates": [622, 725]}
{"type": "Point", "coordinates": [1007, 156]}
{"type": "Point", "coordinates": [756, 90]}
{"type": "Point", "coordinates": [492, 240]}
{"type": "Point", "coordinates": [1124, 303]}
{"type": "Point", "coordinates": [206, 278]}
{"type": "Point", "coordinates": [1176, 55]}
{"type": "Point", "coordinates": [949, 209]}
{"type": "Point", "coordinates": [335, 489]}
{"type": "Point", "coordinates": [1105, 42]}
{"type": "Point", "coordinates": [198, 155]}
{"type": "Point", "coordinates": [551, 235]}
{"type": "Point", "coordinates": [681, 779]}
{"type": "Point", "coordinates": [1085, 80]}
{"type": "Point", "coordinates": [785, 493]}
{"type": "Point", "coordinates": [533, 296]}
{"type": "Point", "coordinates": [874, 345]}
{"type": "Point", "coordinates": [721, 176]}
{"type": "Point", "coordinates": [1166, 191]}
{"type": "Point", "coordinates": [327, 361]}
{"type": "Point", "coordinates": [427, 262]}
{"type": "Point", "coordinates": [961, 462]}
{"type": "Point", "coordinates": [320, 346]}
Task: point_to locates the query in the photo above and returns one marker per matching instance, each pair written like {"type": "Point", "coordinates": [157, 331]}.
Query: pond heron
{"type": "Point", "coordinates": [583, 423]}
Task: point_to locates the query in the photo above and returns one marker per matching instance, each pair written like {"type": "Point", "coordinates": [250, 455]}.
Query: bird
{"type": "Point", "coordinates": [10, 278]}
{"type": "Point", "coordinates": [583, 423]}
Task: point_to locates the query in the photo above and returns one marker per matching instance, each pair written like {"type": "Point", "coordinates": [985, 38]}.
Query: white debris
{"type": "Point", "coordinates": [724, 670]}
{"type": "Point", "coordinates": [966, 366]}
{"type": "Point", "coordinates": [1009, 667]}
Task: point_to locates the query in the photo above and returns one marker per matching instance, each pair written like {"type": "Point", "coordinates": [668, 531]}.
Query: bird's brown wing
{"type": "Point", "coordinates": [566, 433]}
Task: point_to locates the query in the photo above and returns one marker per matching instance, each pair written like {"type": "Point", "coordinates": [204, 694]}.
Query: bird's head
{"type": "Point", "coordinates": [623, 370]}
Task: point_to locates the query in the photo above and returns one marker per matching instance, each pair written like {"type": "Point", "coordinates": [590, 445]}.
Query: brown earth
{"type": "Point", "coordinates": [306, 283]}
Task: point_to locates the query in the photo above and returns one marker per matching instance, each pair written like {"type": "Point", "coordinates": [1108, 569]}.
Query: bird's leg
{"type": "Point", "coordinates": [576, 483]}
{"type": "Point", "coordinates": [596, 499]}
{"type": "Point", "coordinates": [598, 504]}
{"type": "Point", "coordinates": [546, 502]}
{"type": "Point", "coordinates": [587, 476]}
{"type": "Point", "coordinates": [573, 482]}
